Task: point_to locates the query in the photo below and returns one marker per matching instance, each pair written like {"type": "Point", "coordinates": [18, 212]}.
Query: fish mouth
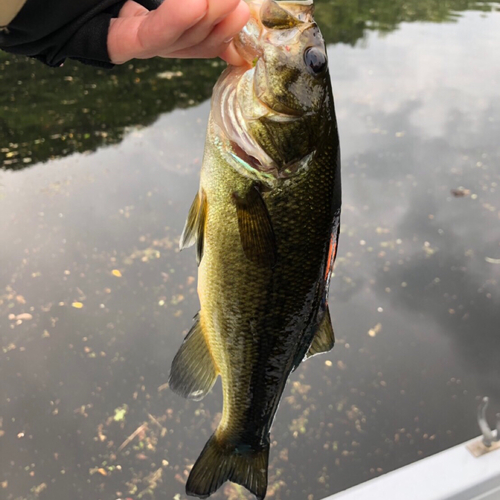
{"type": "Point", "coordinates": [247, 42]}
{"type": "Point", "coordinates": [269, 15]}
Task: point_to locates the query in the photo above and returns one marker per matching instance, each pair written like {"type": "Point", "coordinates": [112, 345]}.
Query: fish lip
{"type": "Point", "coordinates": [244, 51]}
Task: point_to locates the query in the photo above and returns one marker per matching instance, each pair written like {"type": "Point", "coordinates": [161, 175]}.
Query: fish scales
{"type": "Point", "coordinates": [266, 222]}
{"type": "Point", "coordinates": [254, 306]}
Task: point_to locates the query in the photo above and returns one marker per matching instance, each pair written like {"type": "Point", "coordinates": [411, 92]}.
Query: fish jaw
{"type": "Point", "coordinates": [263, 113]}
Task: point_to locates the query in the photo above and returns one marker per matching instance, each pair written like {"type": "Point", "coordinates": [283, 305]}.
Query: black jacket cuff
{"type": "Point", "coordinates": [89, 44]}
{"type": "Point", "coordinates": [53, 30]}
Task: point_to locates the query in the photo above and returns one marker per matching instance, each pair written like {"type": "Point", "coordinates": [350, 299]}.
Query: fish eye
{"type": "Point", "coordinates": [315, 60]}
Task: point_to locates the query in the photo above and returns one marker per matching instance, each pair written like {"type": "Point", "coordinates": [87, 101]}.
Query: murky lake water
{"type": "Point", "coordinates": [95, 297]}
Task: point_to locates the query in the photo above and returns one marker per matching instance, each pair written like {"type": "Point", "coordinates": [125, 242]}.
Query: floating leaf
{"type": "Point", "coordinates": [373, 332]}
{"type": "Point", "coordinates": [77, 305]}
{"type": "Point", "coordinates": [120, 413]}
{"type": "Point", "coordinates": [24, 317]}
{"type": "Point", "coordinates": [117, 273]}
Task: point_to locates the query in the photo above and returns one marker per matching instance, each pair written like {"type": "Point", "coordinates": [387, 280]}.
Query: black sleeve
{"type": "Point", "coordinates": [53, 30]}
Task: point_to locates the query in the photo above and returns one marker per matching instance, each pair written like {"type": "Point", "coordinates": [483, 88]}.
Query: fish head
{"type": "Point", "coordinates": [285, 46]}
{"type": "Point", "coordinates": [275, 108]}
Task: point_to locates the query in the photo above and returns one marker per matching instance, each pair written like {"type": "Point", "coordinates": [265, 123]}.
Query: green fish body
{"type": "Point", "coordinates": [265, 222]}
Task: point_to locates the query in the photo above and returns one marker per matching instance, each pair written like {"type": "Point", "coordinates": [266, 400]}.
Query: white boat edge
{"type": "Point", "coordinates": [454, 474]}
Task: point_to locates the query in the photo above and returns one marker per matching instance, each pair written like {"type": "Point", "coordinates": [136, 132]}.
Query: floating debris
{"type": "Point", "coordinates": [168, 75]}
{"type": "Point", "coordinates": [139, 429]}
{"type": "Point", "coordinates": [120, 413]}
{"type": "Point", "coordinates": [24, 317]}
{"type": "Point", "coordinates": [99, 470]}
{"type": "Point", "coordinates": [373, 332]}
{"type": "Point", "coordinates": [460, 192]}
{"type": "Point", "coordinates": [492, 261]}
{"type": "Point", "coordinates": [36, 490]}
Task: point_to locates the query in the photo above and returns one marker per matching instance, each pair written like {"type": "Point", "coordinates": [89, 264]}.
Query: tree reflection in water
{"type": "Point", "coordinates": [47, 113]}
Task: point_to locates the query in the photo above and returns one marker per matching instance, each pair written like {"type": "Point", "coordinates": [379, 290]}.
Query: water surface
{"type": "Point", "coordinates": [95, 298]}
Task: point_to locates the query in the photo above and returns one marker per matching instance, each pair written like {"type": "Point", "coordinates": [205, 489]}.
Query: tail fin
{"type": "Point", "coordinates": [219, 463]}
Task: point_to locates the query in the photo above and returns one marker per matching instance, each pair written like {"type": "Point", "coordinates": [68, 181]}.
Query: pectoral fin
{"type": "Point", "coordinates": [324, 339]}
{"type": "Point", "coordinates": [256, 230]}
{"type": "Point", "coordinates": [195, 225]}
{"type": "Point", "coordinates": [193, 372]}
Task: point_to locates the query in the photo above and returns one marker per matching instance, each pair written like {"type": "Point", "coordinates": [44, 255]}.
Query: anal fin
{"type": "Point", "coordinates": [256, 230]}
{"type": "Point", "coordinates": [193, 372]}
{"type": "Point", "coordinates": [195, 225]}
{"type": "Point", "coordinates": [324, 338]}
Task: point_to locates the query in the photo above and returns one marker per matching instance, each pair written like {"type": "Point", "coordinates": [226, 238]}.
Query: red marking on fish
{"type": "Point", "coordinates": [332, 254]}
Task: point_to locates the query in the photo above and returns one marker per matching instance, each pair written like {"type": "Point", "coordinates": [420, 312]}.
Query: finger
{"type": "Point", "coordinates": [144, 36]}
{"type": "Point", "coordinates": [219, 39]}
{"type": "Point", "coordinates": [228, 53]}
{"type": "Point", "coordinates": [232, 56]}
{"type": "Point", "coordinates": [239, 19]}
{"type": "Point", "coordinates": [132, 9]}
{"type": "Point", "coordinates": [163, 26]}
{"type": "Point", "coordinates": [218, 12]}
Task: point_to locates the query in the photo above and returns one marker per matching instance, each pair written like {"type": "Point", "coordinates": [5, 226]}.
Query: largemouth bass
{"type": "Point", "coordinates": [265, 222]}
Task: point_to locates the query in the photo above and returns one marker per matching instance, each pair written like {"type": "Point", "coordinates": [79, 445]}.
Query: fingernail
{"type": "Point", "coordinates": [229, 40]}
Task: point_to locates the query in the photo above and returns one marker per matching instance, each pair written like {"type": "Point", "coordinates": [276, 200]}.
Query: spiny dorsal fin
{"type": "Point", "coordinates": [324, 339]}
{"type": "Point", "coordinates": [195, 225]}
{"type": "Point", "coordinates": [193, 372]}
{"type": "Point", "coordinates": [256, 230]}
{"type": "Point", "coordinates": [220, 462]}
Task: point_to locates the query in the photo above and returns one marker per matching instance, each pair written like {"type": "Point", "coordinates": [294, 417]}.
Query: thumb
{"type": "Point", "coordinates": [132, 9]}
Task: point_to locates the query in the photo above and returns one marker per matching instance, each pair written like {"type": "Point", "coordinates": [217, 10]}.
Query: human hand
{"type": "Point", "coordinates": [188, 29]}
